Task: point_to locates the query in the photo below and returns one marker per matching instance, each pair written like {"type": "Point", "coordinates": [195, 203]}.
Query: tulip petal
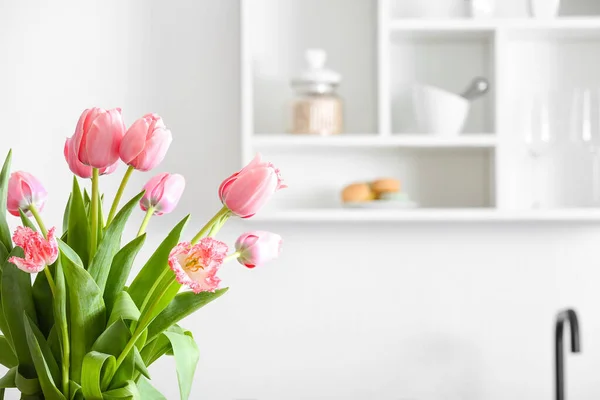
{"type": "Point", "coordinates": [101, 138]}
{"type": "Point", "coordinates": [26, 266]}
{"type": "Point", "coordinates": [174, 186]}
{"type": "Point", "coordinates": [252, 189]}
{"type": "Point", "coordinates": [134, 141]}
{"type": "Point", "coordinates": [154, 152]}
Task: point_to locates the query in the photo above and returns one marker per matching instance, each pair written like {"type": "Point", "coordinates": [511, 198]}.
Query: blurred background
{"type": "Point", "coordinates": [443, 172]}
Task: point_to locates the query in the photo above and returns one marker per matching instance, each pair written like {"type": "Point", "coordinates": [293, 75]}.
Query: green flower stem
{"type": "Point", "coordinates": [115, 204]}
{"type": "Point", "coordinates": [144, 321]}
{"type": "Point", "coordinates": [209, 225]}
{"type": "Point", "coordinates": [94, 213]}
{"type": "Point", "coordinates": [149, 214]}
{"type": "Point", "coordinates": [232, 256]}
{"type": "Point", "coordinates": [38, 218]}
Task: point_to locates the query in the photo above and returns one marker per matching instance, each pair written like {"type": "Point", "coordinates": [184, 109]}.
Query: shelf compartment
{"type": "Point", "coordinates": [429, 215]}
{"type": "Point", "coordinates": [265, 141]}
{"type": "Point", "coordinates": [449, 63]}
{"type": "Point", "coordinates": [433, 177]}
{"type": "Point", "coordinates": [279, 32]}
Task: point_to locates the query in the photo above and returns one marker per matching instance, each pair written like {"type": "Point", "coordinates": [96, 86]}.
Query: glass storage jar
{"type": "Point", "coordinates": [317, 109]}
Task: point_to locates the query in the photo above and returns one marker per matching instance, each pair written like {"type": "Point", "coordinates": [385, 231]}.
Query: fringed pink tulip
{"type": "Point", "coordinates": [98, 137]}
{"type": "Point", "coordinates": [39, 252]}
{"type": "Point", "coordinates": [196, 266]}
{"type": "Point", "coordinates": [163, 193]}
{"type": "Point", "coordinates": [258, 247]}
{"type": "Point", "coordinates": [79, 168]}
{"type": "Point", "coordinates": [146, 143]}
{"type": "Point", "coordinates": [246, 191]}
{"type": "Point", "coordinates": [24, 191]}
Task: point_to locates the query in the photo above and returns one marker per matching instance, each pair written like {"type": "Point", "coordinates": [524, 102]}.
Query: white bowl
{"type": "Point", "coordinates": [438, 111]}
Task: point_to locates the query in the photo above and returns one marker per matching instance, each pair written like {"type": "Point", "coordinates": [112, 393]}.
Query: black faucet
{"type": "Point", "coordinates": [562, 317]}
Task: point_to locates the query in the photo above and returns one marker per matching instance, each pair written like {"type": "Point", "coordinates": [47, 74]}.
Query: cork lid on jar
{"type": "Point", "coordinates": [316, 78]}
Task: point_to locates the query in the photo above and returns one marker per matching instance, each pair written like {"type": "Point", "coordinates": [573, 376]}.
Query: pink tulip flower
{"type": "Point", "coordinates": [146, 143]}
{"type": "Point", "coordinates": [246, 191]}
{"type": "Point", "coordinates": [196, 266]}
{"type": "Point", "coordinates": [79, 168]}
{"type": "Point", "coordinates": [98, 137]}
{"type": "Point", "coordinates": [163, 193]}
{"type": "Point", "coordinates": [24, 191]}
{"type": "Point", "coordinates": [39, 252]}
{"type": "Point", "coordinates": [258, 247]}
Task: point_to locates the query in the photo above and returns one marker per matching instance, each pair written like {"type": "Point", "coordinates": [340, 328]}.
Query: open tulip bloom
{"type": "Point", "coordinates": [78, 332]}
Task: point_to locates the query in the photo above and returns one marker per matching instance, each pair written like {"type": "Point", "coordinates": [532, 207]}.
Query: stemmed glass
{"type": "Point", "coordinates": [585, 131]}
{"type": "Point", "coordinates": [539, 137]}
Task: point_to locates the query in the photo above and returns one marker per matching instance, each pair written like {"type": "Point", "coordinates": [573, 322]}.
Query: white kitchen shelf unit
{"type": "Point", "coordinates": [431, 215]}
{"type": "Point", "coordinates": [481, 175]}
{"type": "Point", "coordinates": [291, 142]}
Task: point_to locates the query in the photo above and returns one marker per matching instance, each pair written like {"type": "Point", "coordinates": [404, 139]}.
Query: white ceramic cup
{"type": "Point", "coordinates": [544, 8]}
{"type": "Point", "coordinates": [438, 111]}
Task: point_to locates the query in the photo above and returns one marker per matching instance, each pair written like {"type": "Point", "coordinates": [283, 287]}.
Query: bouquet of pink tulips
{"type": "Point", "coordinates": [78, 332]}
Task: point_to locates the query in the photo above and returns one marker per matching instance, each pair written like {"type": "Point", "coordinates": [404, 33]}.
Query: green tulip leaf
{"type": "Point", "coordinates": [41, 343]}
{"type": "Point", "coordinates": [86, 309]}
{"type": "Point", "coordinates": [138, 362]}
{"type": "Point", "coordinates": [5, 236]}
{"type": "Point", "coordinates": [3, 323]}
{"type": "Point", "coordinates": [124, 308]}
{"type": "Point", "coordinates": [27, 386]}
{"type": "Point", "coordinates": [149, 392]}
{"type": "Point", "coordinates": [78, 227]}
{"type": "Point", "coordinates": [8, 380]}
{"type": "Point", "coordinates": [186, 355]}
{"type": "Point", "coordinates": [99, 267]}
{"type": "Point", "coordinates": [65, 222]}
{"type": "Point", "coordinates": [75, 391]}
{"type": "Point", "coordinates": [155, 349]}
{"type": "Point", "coordinates": [127, 392]}
{"type": "Point", "coordinates": [120, 269]}
{"type": "Point", "coordinates": [61, 326]}
{"type": "Point", "coordinates": [7, 355]}
{"type": "Point", "coordinates": [96, 366]}
{"type": "Point", "coordinates": [26, 221]}
{"type": "Point", "coordinates": [42, 297]}
{"type": "Point", "coordinates": [54, 344]}
{"type": "Point", "coordinates": [45, 364]}
{"type": "Point", "coordinates": [157, 263]}
{"type": "Point", "coordinates": [182, 305]}
{"type": "Point", "coordinates": [114, 339]}
{"type": "Point", "coordinates": [17, 298]}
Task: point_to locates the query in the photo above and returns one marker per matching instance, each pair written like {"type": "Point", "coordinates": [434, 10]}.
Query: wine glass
{"type": "Point", "coordinates": [538, 136]}
{"type": "Point", "coordinates": [585, 131]}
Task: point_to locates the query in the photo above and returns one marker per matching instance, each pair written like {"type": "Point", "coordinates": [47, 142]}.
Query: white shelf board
{"type": "Point", "coordinates": [429, 215]}
{"type": "Point", "coordinates": [473, 28]}
{"type": "Point", "coordinates": [483, 140]}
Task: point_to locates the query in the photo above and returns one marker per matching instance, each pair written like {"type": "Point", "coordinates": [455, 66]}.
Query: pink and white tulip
{"type": "Point", "coordinates": [98, 137]}
{"type": "Point", "coordinates": [258, 247]}
{"type": "Point", "coordinates": [145, 143]}
{"type": "Point", "coordinates": [25, 191]}
{"type": "Point", "coordinates": [79, 168]}
{"type": "Point", "coordinates": [39, 251]}
{"type": "Point", "coordinates": [163, 193]}
{"type": "Point", "coordinates": [246, 191]}
{"type": "Point", "coordinates": [196, 266]}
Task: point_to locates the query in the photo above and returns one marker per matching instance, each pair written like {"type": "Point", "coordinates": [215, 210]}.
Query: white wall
{"type": "Point", "coordinates": [365, 311]}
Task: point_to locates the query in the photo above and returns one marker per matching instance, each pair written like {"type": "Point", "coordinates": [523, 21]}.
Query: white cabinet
{"type": "Point", "coordinates": [381, 50]}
